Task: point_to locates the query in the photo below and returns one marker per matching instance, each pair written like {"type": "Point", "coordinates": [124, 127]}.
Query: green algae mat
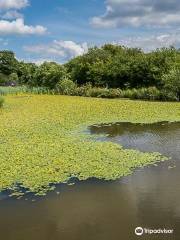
{"type": "Point", "coordinates": [42, 139]}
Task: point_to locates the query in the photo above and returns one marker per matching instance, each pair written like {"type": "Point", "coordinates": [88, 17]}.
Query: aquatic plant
{"type": "Point", "coordinates": [42, 142]}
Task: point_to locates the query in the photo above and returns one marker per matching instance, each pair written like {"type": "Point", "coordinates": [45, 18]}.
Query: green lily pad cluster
{"type": "Point", "coordinates": [41, 139]}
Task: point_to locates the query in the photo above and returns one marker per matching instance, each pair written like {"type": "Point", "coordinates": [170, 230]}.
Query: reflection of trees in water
{"type": "Point", "coordinates": [118, 129]}
{"type": "Point", "coordinates": [161, 137]}
{"type": "Point", "coordinates": [154, 193]}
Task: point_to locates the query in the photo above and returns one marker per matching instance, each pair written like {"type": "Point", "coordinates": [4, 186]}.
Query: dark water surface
{"type": "Point", "coordinates": [97, 210]}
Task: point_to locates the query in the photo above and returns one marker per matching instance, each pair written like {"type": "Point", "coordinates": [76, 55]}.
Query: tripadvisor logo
{"type": "Point", "coordinates": [139, 231]}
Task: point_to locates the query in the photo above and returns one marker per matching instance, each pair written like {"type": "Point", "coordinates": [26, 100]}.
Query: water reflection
{"type": "Point", "coordinates": [163, 137]}
{"type": "Point", "coordinates": [97, 210]}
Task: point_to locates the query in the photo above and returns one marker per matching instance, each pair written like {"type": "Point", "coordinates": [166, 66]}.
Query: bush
{"type": "Point", "coordinates": [98, 92]}
{"type": "Point", "coordinates": [1, 101]}
{"type": "Point", "coordinates": [115, 93]}
{"type": "Point", "coordinates": [66, 87]}
{"type": "Point", "coordinates": [151, 93]}
{"type": "Point", "coordinates": [13, 79]}
{"type": "Point", "coordinates": [168, 96]}
{"type": "Point", "coordinates": [88, 91]}
{"type": "Point", "coordinates": [48, 75]}
{"type": "Point", "coordinates": [84, 90]}
{"type": "Point", "coordinates": [172, 82]}
{"type": "Point", "coordinates": [3, 79]}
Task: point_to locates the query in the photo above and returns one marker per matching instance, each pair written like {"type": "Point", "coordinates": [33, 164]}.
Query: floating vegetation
{"type": "Point", "coordinates": [41, 142]}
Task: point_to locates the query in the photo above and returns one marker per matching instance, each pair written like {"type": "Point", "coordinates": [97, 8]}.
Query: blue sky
{"type": "Point", "coordinates": [38, 30]}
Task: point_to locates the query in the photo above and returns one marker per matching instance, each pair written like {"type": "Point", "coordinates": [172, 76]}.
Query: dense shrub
{"type": "Point", "coordinates": [151, 93]}
{"type": "Point", "coordinates": [121, 67]}
{"type": "Point", "coordinates": [48, 75]}
{"type": "Point", "coordinates": [3, 79]}
{"type": "Point", "coordinates": [66, 87]}
{"type": "Point", "coordinates": [83, 90]}
{"type": "Point", "coordinates": [13, 78]}
{"type": "Point", "coordinates": [26, 74]}
{"type": "Point", "coordinates": [172, 82]}
{"type": "Point", "coordinates": [98, 92]}
{"type": "Point", "coordinates": [168, 96]}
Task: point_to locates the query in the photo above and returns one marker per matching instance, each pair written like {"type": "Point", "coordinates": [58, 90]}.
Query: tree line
{"type": "Point", "coordinates": [107, 67]}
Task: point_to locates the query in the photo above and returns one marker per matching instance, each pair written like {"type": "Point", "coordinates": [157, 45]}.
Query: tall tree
{"type": "Point", "coordinates": [8, 62]}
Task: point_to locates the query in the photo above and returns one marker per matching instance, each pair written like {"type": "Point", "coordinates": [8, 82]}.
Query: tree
{"type": "Point", "coordinates": [171, 82]}
{"type": "Point", "coordinates": [49, 74]}
{"type": "Point", "coordinates": [110, 65]}
{"type": "Point", "coordinates": [8, 62]}
{"type": "Point", "coordinates": [3, 79]}
{"type": "Point", "coordinates": [26, 73]}
{"type": "Point", "coordinates": [13, 79]}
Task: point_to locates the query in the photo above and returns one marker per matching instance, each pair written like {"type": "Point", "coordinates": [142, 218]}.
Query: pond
{"type": "Point", "coordinates": [106, 210]}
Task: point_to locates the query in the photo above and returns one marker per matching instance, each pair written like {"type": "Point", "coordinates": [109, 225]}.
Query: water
{"type": "Point", "coordinates": [98, 210]}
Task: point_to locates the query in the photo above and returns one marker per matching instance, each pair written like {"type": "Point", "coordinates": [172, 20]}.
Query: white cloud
{"type": "Point", "coordinates": [18, 27]}
{"type": "Point", "coordinates": [62, 49]}
{"type": "Point", "coordinates": [12, 14]}
{"type": "Point", "coordinates": [13, 4]}
{"type": "Point", "coordinates": [37, 61]}
{"type": "Point", "coordinates": [136, 13]}
{"type": "Point", "coordinates": [12, 21]}
{"type": "Point", "coordinates": [41, 61]}
{"type": "Point", "coordinates": [149, 43]}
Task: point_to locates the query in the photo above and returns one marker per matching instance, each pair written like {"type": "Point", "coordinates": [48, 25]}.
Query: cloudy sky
{"type": "Point", "coordinates": [39, 30]}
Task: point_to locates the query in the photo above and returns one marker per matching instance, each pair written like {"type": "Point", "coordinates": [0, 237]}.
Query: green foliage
{"type": "Point", "coordinates": [48, 75]}
{"type": "Point", "coordinates": [88, 91]}
{"type": "Point", "coordinates": [66, 87]}
{"type": "Point", "coordinates": [26, 73]}
{"type": "Point", "coordinates": [8, 62]}
{"type": "Point", "coordinates": [151, 93]}
{"type": "Point", "coordinates": [172, 82]}
{"type": "Point", "coordinates": [121, 67]}
{"type": "Point", "coordinates": [1, 101]}
{"type": "Point", "coordinates": [13, 78]}
{"type": "Point", "coordinates": [111, 71]}
{"type": "Point", "coordinates": [3, 79]}
{"type": "Point", "coordinates": [166, 95]}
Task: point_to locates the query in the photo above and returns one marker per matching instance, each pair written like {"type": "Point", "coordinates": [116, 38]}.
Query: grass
{"type": "Point", "coordinates": [41, 139]}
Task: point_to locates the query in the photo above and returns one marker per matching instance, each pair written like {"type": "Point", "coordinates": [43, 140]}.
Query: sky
{"type": "Point", "coordinates": [58, 30]}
